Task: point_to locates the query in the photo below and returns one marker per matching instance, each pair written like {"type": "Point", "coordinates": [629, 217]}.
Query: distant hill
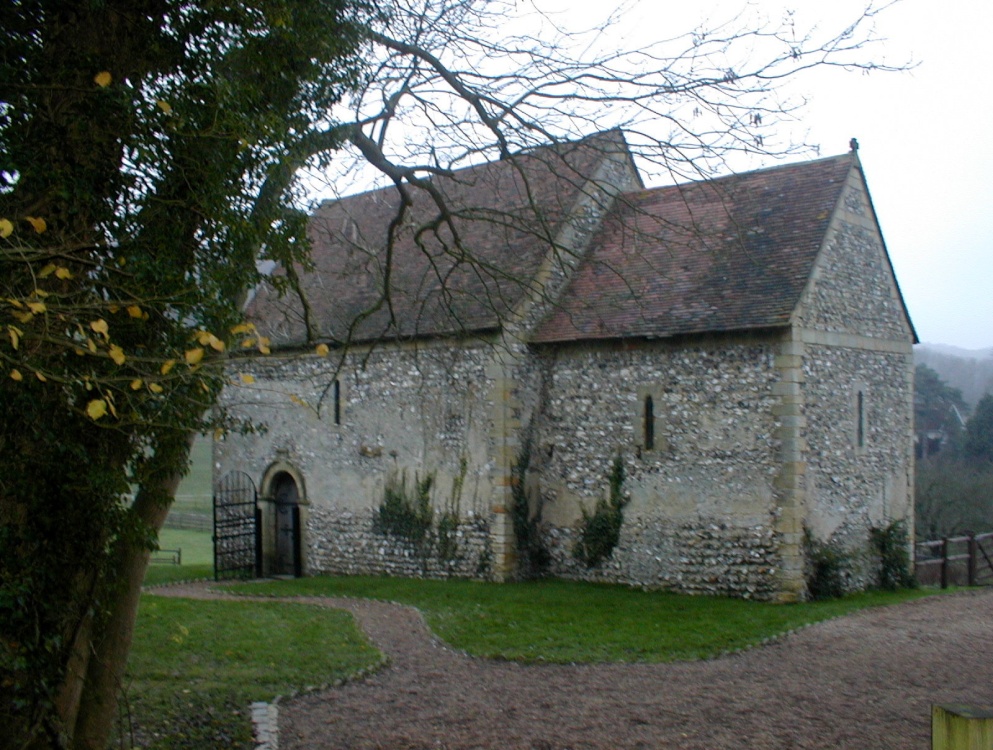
{"type": "Point", "coordinates": [969, 370]}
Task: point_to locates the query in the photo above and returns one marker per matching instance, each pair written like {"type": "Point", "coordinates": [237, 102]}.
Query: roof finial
{"type": "Point", "coordinates": [854, 145]}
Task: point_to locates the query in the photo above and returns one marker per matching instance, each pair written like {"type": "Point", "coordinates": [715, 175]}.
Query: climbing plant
{"type": "Point", "coordinates": [406, 511]}
{"type": "Point", "coordinates": [532, 552]}
{"type": "Point", "coordinates": [893, 548]}
{"type": "Point", "coordinates": [826, 567]}
{"type": "Point", "coordinates": [600, 530]}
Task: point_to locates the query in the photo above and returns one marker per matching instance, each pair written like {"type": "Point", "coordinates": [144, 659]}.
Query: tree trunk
{"type": "Point", "coordinates": [110, 648]}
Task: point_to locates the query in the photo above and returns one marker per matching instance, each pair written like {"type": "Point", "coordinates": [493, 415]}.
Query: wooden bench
{"type": "Point", "coordinates": [167, 557]}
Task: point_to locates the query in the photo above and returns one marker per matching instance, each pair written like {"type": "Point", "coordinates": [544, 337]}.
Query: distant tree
{"type": "Point", "coordinates": [952, 497]}
{"type": "Point", "coordinates": [937, 407]}
{"type": "Point", "coordinates": [954, 489]}
{"type": "Point", "coordinates": [978, 442]}
{"type": "Point", "coordinates": [934, 398]}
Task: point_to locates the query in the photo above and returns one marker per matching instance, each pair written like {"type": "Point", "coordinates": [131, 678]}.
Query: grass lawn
{"type": "Point", "coordinates": [561, 621]}
{"type": "Point", "coordinates": [196, 666]}
{"type": "Point", "coordinates": [198, 557]}
{"type": "Point", "coordinates": [195, 490]}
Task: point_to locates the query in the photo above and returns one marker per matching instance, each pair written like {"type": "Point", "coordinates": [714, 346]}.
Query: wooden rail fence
{"type": "Point", "coordinates": [190, 521]}
{"type": "Point", "coordinates": [955, 561]}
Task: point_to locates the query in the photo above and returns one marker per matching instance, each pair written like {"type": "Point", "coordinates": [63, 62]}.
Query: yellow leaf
{"type": "Point", "coordinates": [110, 405]}
{"type": "Point", "coordinates": [248, 343]}
{"type": "Point", "coordinates": [117, 354]}
{"type": "Point", "coordinates": [47, 271]}
{"type": "Point", "coordinates": [63, 273]}
{"type": "Point", "coordinates": [41, 377]}
{"type": "Point", "coordinates": [37, 307]}
{"type": "Point", "coordinates": [103, 79]}
{"type": "Point", "coordinates": [100, 326]}
{"type": "Point", "coordinates": [218, 433]}
{"type": "Point", "coordinates": [322, 350]}
{"type": "Point", "coordinates": [155, 388]}
{"type": "Point", "coordinates": [136, 384]}
{"type": "Point", "coordinates": [40, 293]}
{"type": "Point", "coordinates": [15, 336]}
{"type": "Point", "coordinates": [167, 366]}
{"type": "Point", "coordinates": [114, 309]}
{"type": "Point", "coordinates": [96, 408]}
{"type": "Point", "coordinates": [24, 317]}
{"type": "Point", "coordinates": [6, 228]}
{"type": "Point", "coordinates": [215, 343]}
{"type": "Point", "coordinates": [134, 311]}
{"type": "Point", "coordinates": [204, 387]}
{"type": "Point", "coordinates": [16, 303]}
{"type": "Point", "coordinates": [264, 345]}
{"type": "Point", "coordinates": [16, 375]}
{"type": "Point", "coordinates": [164, 106]}
{"type": "Point", "coordinates": [193, 356]}
{"type": "Point", "coordinates": [247, 379]}
{"type": "Point", "coordinates": [242, 328]}
{"type": "Point", "coordinates": [37, 223]}
{"type": "Point", "coordinates": [91, 345]}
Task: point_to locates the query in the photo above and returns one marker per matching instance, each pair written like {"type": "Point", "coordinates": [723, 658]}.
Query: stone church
{"type": "Point", "coordinates": [499, 339]}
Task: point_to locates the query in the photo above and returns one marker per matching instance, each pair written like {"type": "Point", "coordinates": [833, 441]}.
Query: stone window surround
{"type": "Point", "coordinates": [639, 428]}
{"type": "Point", "coordinates": [860, 416]}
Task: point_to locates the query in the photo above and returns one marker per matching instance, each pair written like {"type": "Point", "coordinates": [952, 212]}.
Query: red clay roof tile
{"type": "Point", "coordinates": [728, 254]}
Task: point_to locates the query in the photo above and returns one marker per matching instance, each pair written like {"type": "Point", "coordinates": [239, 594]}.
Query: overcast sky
{"type": "Point", "coordinates": [927, 150]}
{"type": "Point", "coordinates": [925, 139]}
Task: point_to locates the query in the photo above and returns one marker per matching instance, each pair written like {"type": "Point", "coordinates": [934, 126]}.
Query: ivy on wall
{"type": "Point", "coordinates": [600, 530]}
{"type": "Point", "coordinates": [408, 513]}
{"type": "Point", "coordinates": [533, 557]}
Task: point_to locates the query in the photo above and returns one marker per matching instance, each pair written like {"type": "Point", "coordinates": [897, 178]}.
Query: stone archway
{"type": "Point", "coordinates": [284, 521]}
{"type": "Point", "coordinates": [288, 559]}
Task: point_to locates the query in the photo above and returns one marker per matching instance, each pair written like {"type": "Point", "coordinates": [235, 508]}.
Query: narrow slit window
{"type": "Point", "coordinates": [336, 391]}
{"type": "Point", "coordinates": [860, 419]}
{"type": "Point", "coordinates": [649, 423]}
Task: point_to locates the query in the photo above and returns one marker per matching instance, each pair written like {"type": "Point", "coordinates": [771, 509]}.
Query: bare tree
{"type": "Point", "coordinates": [151, 157]}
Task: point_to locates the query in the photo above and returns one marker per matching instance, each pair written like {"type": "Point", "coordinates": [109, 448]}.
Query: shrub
{"type": "Point", "coordinates": [533, 556]}
{"type": "Point", "coordinates": [406, 512]}
{"type": "Point", "coordinates": [601, 529]}
{"type": "Point", "coordinates": [892, 545]}
{"type": "Point", "coordinates": [827, 564]}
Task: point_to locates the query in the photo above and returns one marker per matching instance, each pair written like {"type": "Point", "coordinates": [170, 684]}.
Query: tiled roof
{"type": "Point", "coordinates": [505, 213]}
{"type": "Point", "coordinates": [722, 255]}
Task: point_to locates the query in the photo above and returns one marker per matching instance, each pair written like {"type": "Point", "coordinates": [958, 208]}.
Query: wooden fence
{"type": "Point", "coordinates": [194, 521]}
{"type": "Point", "coordinates": [955, 561]}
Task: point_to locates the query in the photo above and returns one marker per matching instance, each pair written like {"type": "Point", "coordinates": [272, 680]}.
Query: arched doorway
{"type": "Point", "coordinates": [288, 558]}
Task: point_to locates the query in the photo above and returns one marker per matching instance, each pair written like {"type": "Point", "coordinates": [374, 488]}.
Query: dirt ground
{"type": "Point", "coordinates": [865, 681]}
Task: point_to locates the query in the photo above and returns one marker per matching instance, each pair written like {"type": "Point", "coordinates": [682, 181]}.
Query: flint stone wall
{"type": "Point", "coordinates": [707, 556]}
{"type": "Point", "coordinates": [403, 410]}
{"type": "Point", "coordinates": [702, 502]}
{"type": "Point", "coordinates": [852, 489]}
{"type": "Point", "coordinates": [346, 542]}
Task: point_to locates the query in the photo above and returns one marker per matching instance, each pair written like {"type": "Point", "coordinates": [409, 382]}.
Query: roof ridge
{"type": "Point", "coordinates": [738, 175]}
{"type": "Point", "coordinates": [616, 134]}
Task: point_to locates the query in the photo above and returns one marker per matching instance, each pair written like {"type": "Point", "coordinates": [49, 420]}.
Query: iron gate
{"type": "Point", "coordinates": [237, 528]}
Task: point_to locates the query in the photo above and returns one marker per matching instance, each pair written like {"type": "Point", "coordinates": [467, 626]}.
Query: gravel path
{"type": "Point", "coordinates": [863, 681]}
